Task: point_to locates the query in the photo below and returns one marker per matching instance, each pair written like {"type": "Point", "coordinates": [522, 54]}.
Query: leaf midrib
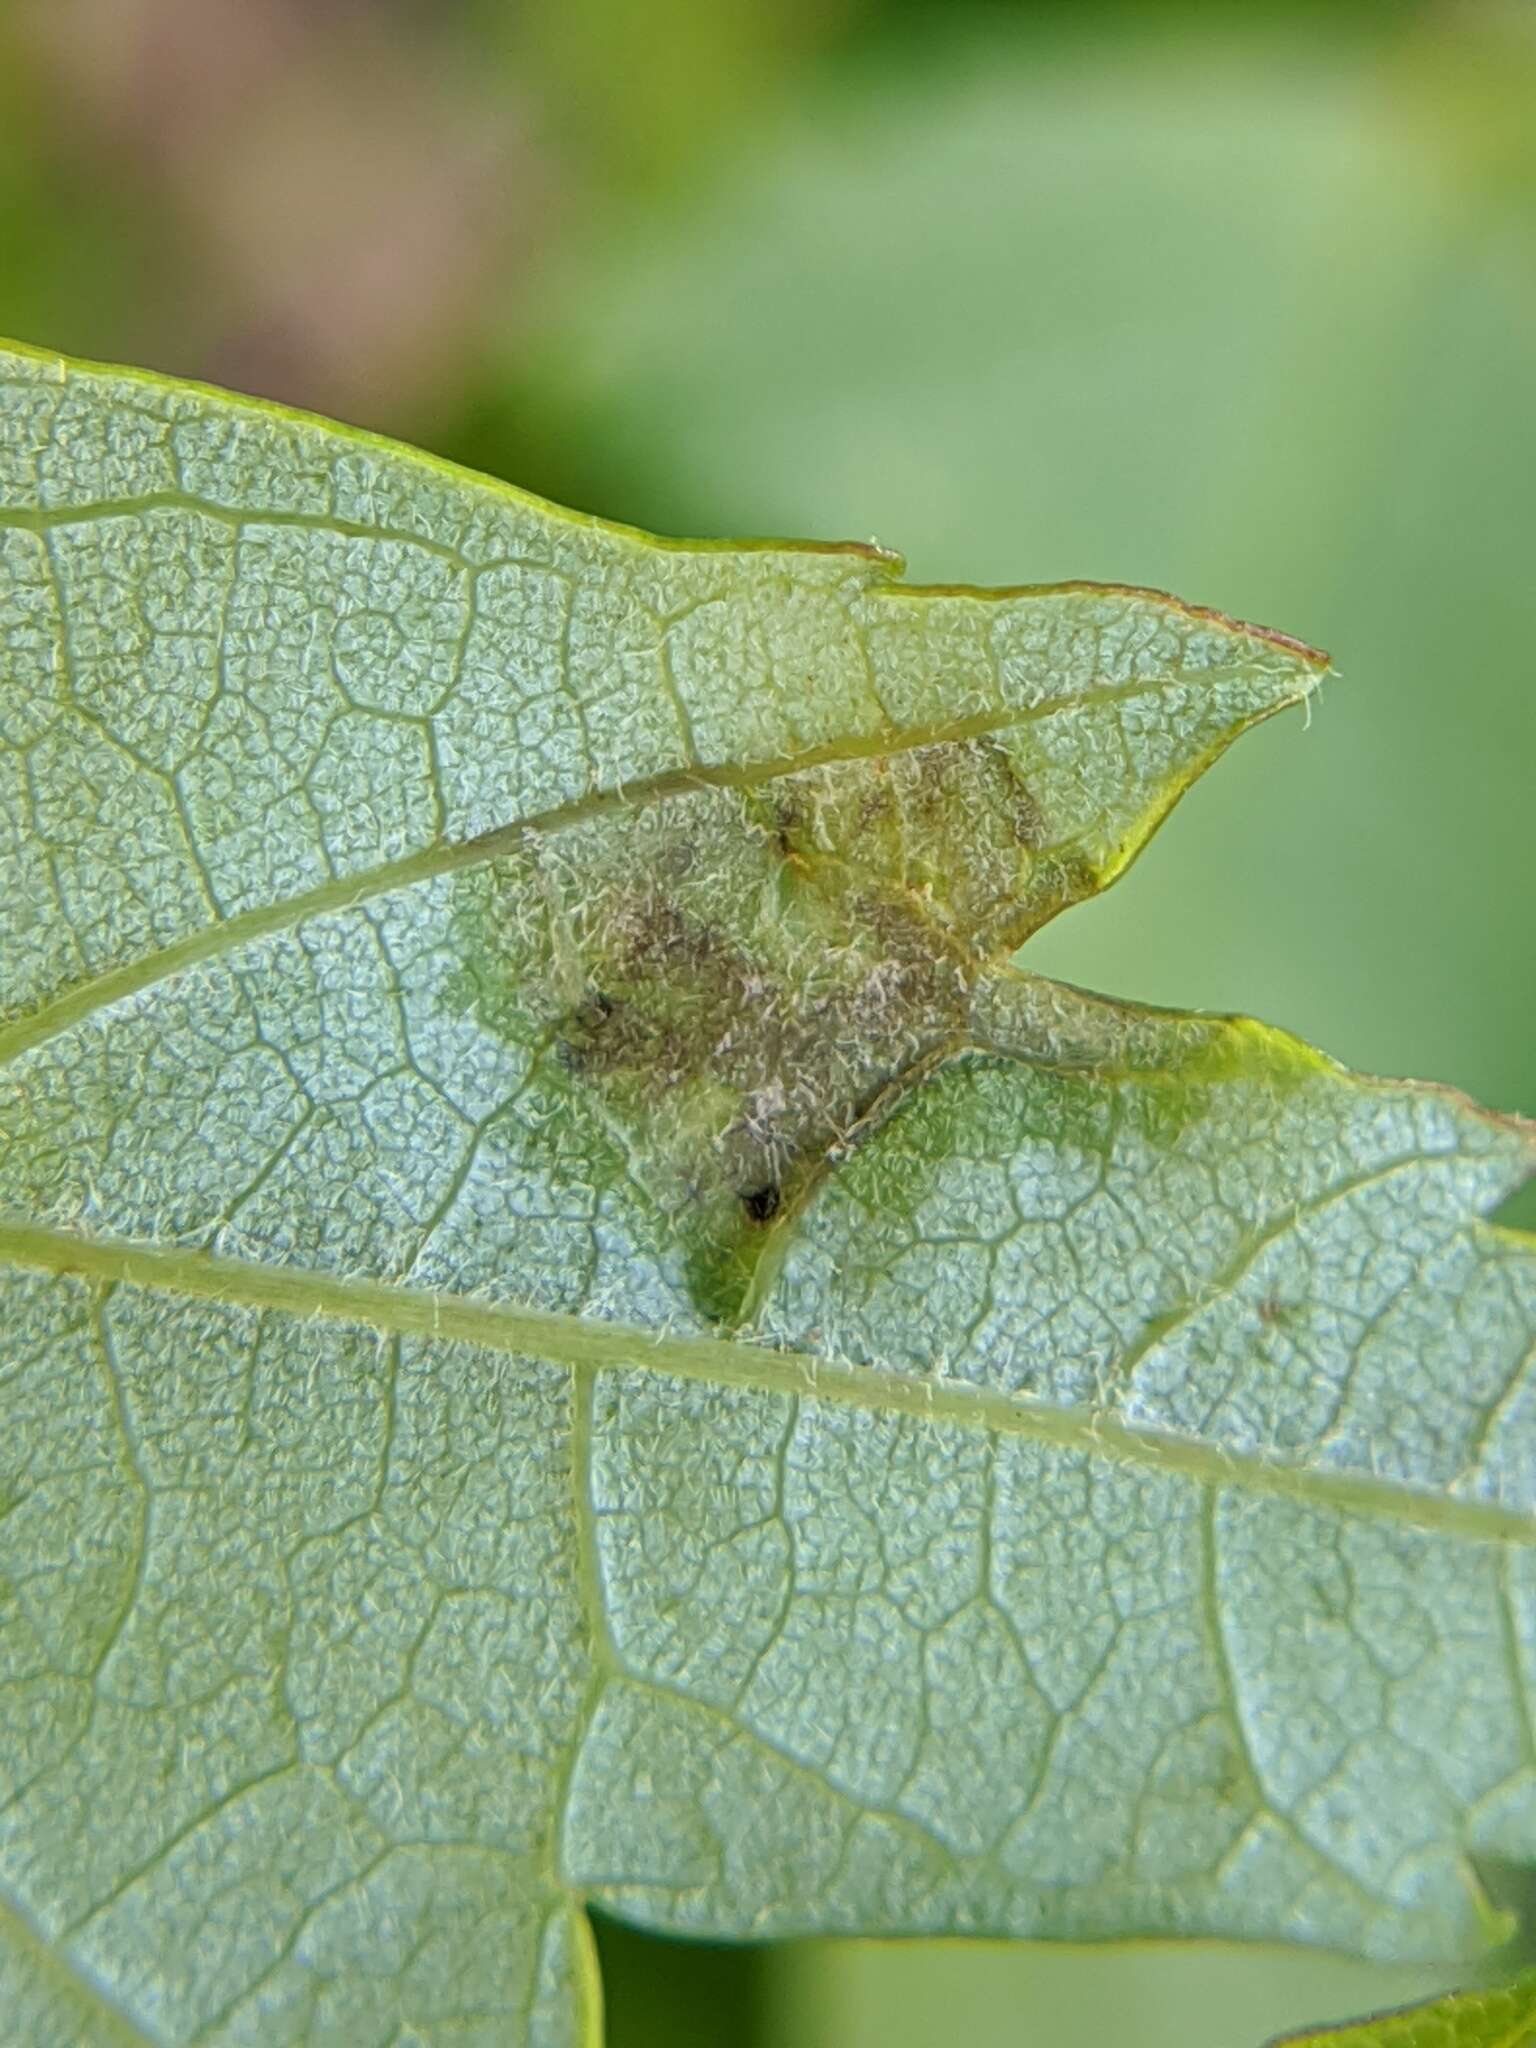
{"type": "Point", "coordinates": [586, 1345]}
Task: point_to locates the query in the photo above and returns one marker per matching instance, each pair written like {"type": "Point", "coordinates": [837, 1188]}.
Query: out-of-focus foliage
{"type": "Point", "coordinates": [1501, 2018]}
{"type": "Point", "coordinates": [1238, 299]}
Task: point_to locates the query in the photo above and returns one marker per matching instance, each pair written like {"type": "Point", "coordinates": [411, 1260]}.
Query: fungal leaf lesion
{"type": "Point", "coordinates": [743, 970]}
{"type": "Point", "coordinates": [743, 976]}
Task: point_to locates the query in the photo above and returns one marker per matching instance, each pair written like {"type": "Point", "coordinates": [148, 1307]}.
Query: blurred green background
{"type": "Point", "coordinates": [1239, 300]}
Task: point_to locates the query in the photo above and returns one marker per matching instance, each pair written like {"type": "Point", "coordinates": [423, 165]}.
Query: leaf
{"type": "Point", "coordinates": [577, 1331]}
{"type": "Point", "coordinates": [1503, 2017]}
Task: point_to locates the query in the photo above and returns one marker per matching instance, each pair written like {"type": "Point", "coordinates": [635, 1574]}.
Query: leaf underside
{"type": "Point", "coordinates": [575, 1328]}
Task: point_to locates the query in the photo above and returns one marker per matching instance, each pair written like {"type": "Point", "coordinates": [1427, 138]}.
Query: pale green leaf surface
{"type": "Point", "coordinates": [1502, 2017]}
{"type": "Point", "coordinates": [574, 1330]}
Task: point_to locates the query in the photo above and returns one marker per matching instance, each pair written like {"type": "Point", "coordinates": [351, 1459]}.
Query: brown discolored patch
{"type": "Point", "coordinates": [744, 976]}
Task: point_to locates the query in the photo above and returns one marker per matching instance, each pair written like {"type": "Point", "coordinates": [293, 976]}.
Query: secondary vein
{"type": "Point", "coordinates": [345, 892]}
{"type": "Point", "coordinates": [21, 1932]}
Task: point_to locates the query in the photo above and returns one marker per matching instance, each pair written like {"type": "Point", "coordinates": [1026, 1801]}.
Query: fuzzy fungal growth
{"type": "Point", "coordinates": [743, 980]}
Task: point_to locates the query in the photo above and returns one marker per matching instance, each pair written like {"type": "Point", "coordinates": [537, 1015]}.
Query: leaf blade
{"type": "Point", "coordinates": [449, 1373]}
